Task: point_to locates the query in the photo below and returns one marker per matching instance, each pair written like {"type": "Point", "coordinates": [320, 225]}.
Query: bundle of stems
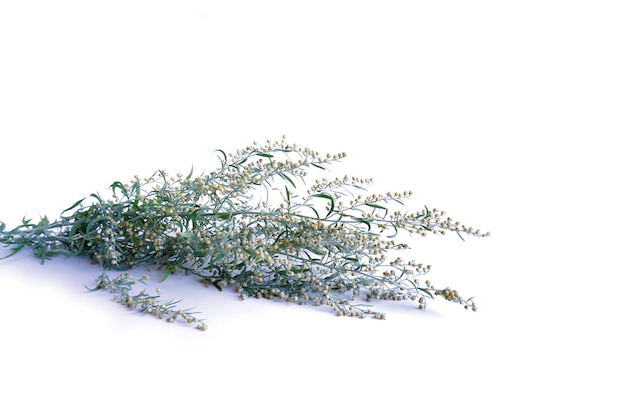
{"type": "Point", "coordinates": [246, 225]}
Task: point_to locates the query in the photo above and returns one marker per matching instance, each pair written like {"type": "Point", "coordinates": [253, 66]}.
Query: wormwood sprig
{"type": "Point", "coordinates": [123, 284]}
{"type": "Point", "coordinates": [248, 225]}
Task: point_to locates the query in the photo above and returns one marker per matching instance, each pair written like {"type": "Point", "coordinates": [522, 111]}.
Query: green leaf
{"type": "Point", "coordinates": [300, 270]}
{"type": "Point", "coordinates": [288, 195]}
{"type": "Point", "coordinates": [168, 272]}
{"type": "Point", "coordinates": [121, 187]}
{"type": "Point", "coordinates": [137, 188]}
{"type": "Point", "coordinates": [315, 211]}
{"type": "Point", "coordinates": [211, 260]}
{"type": "Point", "coordinates": [376, 206]}
{"type": "Point", "coordinates": [77, 224]}
{"type": "Point", "coordinates": [224, 155]}
{"type": "Point", "coordinates": [316, 251]}
{"type": "Point", "coordinates": [362, 220]}
{"type": "Point", "coordinates": [265, 155]}
{"type": "Point", "coordinates": [190, 173]}
{"type": "Point", "coordinates": [395, 228]}
{"type": "Point", "coordinates": [243, 161]}
{"type": "Point", "coordinates": [427, 293]}
{"type": "Point", "coordinates": [14, 250]}
{"type": "Point", "coordinates": [328, 197]}
{"type": "Point", "coordinates": [222, 216]}
{"type": "Point", "coordinates": [73, 206]}
{"type": "Point", "coordinates": [351, 259]}
{"type": "Point", "coordinates": [190, 235]}
{"type": "Point", "coordinates": [286, 177]}
{"type": "Point", "coordinates": [318, 166]}
{"type": "Point", "coordinates": [93, 223]}
{"type": "Point", "coordinates": [96, 288]}
{"type": "Point", "coordinates": [18, 248]}
{"type": "Point", "coordinates": [43, 222]}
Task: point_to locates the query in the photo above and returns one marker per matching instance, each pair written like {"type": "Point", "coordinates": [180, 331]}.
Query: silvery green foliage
{"type": "Point", "coordinates": [251, 224]}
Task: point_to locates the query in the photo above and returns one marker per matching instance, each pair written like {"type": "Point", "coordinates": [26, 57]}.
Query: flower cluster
{"type": "Point", "coordinates": [143, 301]}
{"type": "Point", "coordinates": [245, 225]}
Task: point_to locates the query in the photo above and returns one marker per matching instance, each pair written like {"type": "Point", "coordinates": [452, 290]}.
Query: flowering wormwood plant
{"type": "Point", "coordinates": [329, 246]}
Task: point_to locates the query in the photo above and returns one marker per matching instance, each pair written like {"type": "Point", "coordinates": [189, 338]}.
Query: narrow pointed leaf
{"type": "Point", "coordinates": [73, 206]}
{"type": "Point", "coordinates": [288, 178]}
{"type": "Point", "coordinates": [120, 186]}
{"type": "Point", "coordinates": [330, 198]}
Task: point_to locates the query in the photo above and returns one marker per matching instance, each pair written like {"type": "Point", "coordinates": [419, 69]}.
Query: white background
{"type": "Point", "coordinates": [508, 115]}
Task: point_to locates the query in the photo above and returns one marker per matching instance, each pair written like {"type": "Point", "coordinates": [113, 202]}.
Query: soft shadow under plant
{"type": "Point", "coordinates": [249, 226]}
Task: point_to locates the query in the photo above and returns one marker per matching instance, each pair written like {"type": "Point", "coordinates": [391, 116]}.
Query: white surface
{"type": "Point", "coordinates": [508, 116]}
